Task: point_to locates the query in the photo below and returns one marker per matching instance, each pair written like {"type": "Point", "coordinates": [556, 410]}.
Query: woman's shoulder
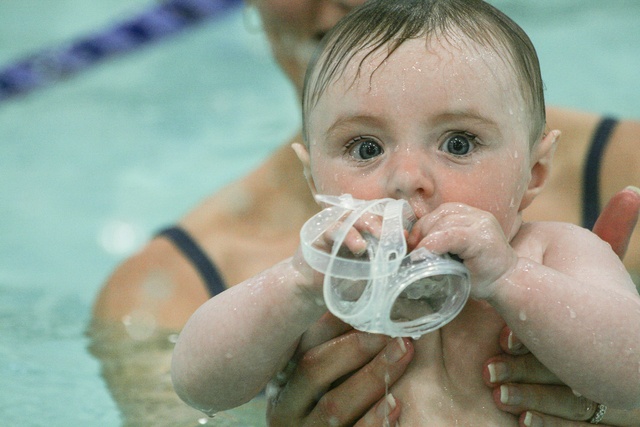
{"type": "Point", "coordinates": [156, 282]}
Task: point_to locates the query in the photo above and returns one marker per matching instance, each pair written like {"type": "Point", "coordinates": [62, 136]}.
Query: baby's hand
{"type": "Point", "coordinates": [472, 234]}
{"type": "Point", "coordinates": [352, 244]}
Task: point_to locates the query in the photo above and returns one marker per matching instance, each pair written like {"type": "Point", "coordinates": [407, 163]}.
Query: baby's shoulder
{"type": "Point", "coordinates": [541, 236]}
{"type": "Point", "coordinates": [560, 244]}
{"type": "Point", "coordinates": [553, 228]}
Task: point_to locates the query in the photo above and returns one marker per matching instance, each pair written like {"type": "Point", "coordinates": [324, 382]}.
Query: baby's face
{"type": "Point", "coordinates": [431, 124]}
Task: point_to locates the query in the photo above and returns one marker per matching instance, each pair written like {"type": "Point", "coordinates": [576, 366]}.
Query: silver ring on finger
{"type": "Point", "coordinates": [599, 414]}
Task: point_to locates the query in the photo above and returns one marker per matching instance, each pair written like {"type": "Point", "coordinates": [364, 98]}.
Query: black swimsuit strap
{"type": "Point", "coordinates": [194, 253]}
{"type": "Point", "coordinates": [591, 172]}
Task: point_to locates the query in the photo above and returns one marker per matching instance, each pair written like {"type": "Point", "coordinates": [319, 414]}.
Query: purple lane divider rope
{"type": "Point", "coordinates": [50, 65]}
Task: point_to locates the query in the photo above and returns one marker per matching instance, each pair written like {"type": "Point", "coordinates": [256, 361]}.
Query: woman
{"type": "Point", "coordinates": [235, 225]}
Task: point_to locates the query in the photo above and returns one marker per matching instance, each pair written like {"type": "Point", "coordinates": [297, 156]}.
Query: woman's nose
{"type": "Point", "coordinates": [331, 11]}
{"type": "Point", "coordinates": [348, 4]}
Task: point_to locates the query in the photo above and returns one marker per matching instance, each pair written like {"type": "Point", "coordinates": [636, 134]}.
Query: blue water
{"type": "Point", "coordinates": [90, 167]}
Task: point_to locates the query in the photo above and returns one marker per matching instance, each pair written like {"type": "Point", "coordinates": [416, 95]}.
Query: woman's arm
{"type": "Point", "coordinates": [237, 341]}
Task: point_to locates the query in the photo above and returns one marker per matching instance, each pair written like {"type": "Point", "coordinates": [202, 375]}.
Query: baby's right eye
{"type": "Point", "coordinates": [364, 148]}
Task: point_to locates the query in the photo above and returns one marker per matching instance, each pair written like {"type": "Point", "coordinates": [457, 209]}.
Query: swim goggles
{"type": "Point", "coordinates": [385, 290]}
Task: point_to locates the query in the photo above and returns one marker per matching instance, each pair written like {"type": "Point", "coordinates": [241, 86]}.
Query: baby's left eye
{"type": "Point", "coordinates": [459, 144]}
{"type": "Point", "coordinates": [364, 148]}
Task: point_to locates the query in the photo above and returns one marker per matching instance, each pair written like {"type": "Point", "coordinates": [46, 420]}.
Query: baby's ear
{"type": "Point", "coordinates": [541, 159]}
{"type": "Point", "coordinates": [303, 155]}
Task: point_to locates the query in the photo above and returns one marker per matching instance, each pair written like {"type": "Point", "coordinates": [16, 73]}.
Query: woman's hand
{"type": "Point", "coordinates": [522, 385]}
{"type": "Point", "coordinates": [308, 394]}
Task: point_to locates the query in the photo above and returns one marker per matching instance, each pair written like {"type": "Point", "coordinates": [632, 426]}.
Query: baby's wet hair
{"type": "Point", "coordinates": [387, 24]}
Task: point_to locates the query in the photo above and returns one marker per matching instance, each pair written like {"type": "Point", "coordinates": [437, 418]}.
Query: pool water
{"type": "Point", "coordinates": [92, 166]}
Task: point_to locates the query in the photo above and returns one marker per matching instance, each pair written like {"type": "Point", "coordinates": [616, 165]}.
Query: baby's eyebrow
{"type": "Point", "coordinates": [468, 115]}
{"type": "Point", "coordinates": [347, 121]}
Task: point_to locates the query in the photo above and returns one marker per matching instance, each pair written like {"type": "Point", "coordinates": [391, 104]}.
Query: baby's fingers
{"type": "Point", "coordinates": [352, 241]}
{"type": "Point", "coordinates": [447, 219]}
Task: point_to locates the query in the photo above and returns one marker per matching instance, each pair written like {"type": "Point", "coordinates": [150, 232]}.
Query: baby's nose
{"type": "Point", "coordinates": [409, 177]}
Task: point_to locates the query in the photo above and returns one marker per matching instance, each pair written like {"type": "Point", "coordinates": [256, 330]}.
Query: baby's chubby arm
{"type": "Point", "coordinates": [237, 341]}
{"type": "Point", "coordinates": [560, 288]}
{"type": "Point", "coordinates": [577, 310]}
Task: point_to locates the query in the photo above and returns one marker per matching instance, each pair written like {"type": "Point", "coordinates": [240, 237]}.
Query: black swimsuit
{"type": "Point", "coordinates": [194, 253]}
{"type": "Point", "coordinates": [591, 173]}
{"type": "Point", "coordinates": [590, 211]}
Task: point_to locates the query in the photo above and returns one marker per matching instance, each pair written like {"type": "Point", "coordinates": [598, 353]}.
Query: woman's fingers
{"type": "Point", "coordinates": [545, 405]}
{"type": "Point", "coordinates": [618, 219]}
{"type": "Point", "coordinates": [323, 331]}
{"type": "Point", "coordinates": [316, 369]}
{"type": "Point", "coordinates": [352, 399]}
{"type": "Point", "coordinates": [385, 413]}
{"type": "Point", "coordinates": [533, 419]}
{"type": "Point", "coordinates": [517, 369]}
{"type": "Point", "coordinates": [373, 363]}
{"type": "Point", "coordinates": [510, 343]}
{"type": "Point", "coordinates": [554, 400]}
{"type": "Point", "coordinates": [613, 417]}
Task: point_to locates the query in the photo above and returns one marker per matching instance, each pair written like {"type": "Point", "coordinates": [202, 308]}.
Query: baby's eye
{"type": "Point", "coordinates": [363, 148]}
{"type": "Point", "coordinates": [459, 144]}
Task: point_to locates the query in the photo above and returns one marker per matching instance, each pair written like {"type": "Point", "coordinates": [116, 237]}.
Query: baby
{"type": "Point", "coordinates": [439, 103]}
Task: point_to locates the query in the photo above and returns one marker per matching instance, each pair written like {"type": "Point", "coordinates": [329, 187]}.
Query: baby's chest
{"type": "Point", "coordinates": [444, 385]}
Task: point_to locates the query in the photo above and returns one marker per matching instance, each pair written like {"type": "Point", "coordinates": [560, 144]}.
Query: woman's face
{"type": "Point", "coordinates": [294, 28]}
